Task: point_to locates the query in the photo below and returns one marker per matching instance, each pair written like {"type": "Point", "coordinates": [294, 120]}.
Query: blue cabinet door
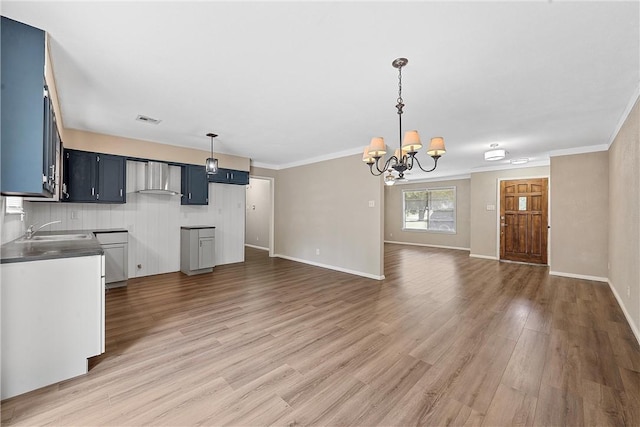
{"type": "Point", "coordinates": [80, 168]}
{"type": "Point", "coordinates": [22, 116]}
{"type": "Point", "coordinates": [111, 179]}
{"type": "Point", "coordinates": [195, 187]}
{"type": "Point", "coordinates": [230, 176]}
{"type": "Point", "coordinates": [239, 177]}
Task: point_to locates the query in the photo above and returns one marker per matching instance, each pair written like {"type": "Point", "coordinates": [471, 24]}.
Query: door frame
{"type": "Point", "coordinates": [499, 201]}
{"type": "Point", "coordinates": [272, 184]}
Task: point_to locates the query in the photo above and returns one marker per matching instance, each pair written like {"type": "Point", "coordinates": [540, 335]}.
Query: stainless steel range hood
{"type": "Point", "coordinates": [157, 179]}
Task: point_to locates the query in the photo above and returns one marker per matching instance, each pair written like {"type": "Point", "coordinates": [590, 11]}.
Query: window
{"type": "Point", "coordinates": [432, 209]}
{"type": "Point", "coordinates": [14, 205]}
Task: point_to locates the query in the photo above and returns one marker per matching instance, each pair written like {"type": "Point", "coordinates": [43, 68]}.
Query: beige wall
{"type": "Point", "coordinates": [325, 206]}
{"type": "Point", "coordinates": [579, 214]}
{"type": "Point", "coordinates": [258, 212]}
{"type": "Point", "coordinates": [108, 144]}
{"type": "Point", "coordinates": [484, 223]}
{"type": "Point", "coordinates": [624, 215]}
{"type": "Point", "coordinates": [393, 216]}
{"type": "Point", "coordinates": [53, 89]}
{"type": "Point", "coordinates": [263, 172]}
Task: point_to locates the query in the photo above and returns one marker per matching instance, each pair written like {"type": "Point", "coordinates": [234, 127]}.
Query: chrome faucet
{"type": "Point", "coordinates": [31, 230]}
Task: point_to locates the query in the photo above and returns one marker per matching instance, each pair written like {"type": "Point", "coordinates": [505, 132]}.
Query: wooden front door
{"type": "Point", "coordinates": [523, 220]}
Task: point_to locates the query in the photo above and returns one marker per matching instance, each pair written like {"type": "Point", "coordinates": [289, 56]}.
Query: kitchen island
{"type": "Point", "coordinates": [52, 302]}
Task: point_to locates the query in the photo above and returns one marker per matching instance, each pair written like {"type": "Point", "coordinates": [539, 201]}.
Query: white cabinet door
{"type": "Point", "coordinates": [206, 254]}
{"type": "Point", "coordinates": [116, 262]}
{"type": "Point", "coordinates": [52, 320]}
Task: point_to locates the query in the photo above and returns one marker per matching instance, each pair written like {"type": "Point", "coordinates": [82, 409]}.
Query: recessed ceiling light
{"type": "Point", "coordinates": [495, 153]}
{"type": "Point", "coordinates": [147, 119]}
{"type": "Point", "coordinates": [520, 161]}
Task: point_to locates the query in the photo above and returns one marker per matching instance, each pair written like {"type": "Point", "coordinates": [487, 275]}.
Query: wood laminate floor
{"type": "Point", "coordinates": [444, 340]}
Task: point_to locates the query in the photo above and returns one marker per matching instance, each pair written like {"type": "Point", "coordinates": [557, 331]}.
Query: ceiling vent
{"type": "Point", "coordinates": [147, 119]}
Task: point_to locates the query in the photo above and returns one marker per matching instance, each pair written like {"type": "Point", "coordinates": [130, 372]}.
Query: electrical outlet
{"type": "Point", "coordinates": [628, 291]}
{"type": "Point", "coordinates": [318, 251]}
{"type": "Point", "coordinates": [390, 234]}
{"type": "Point", "coordinates": [257, 238]}
{"type": "Point", "coordinates": [372, 203]}
{"type": "Point", "coordinates": [74, 215]}
{"type": "Point", "coordinates": [139, 266]}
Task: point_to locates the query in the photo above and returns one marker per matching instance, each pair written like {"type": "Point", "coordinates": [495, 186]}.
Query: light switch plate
{"type": "Point", "coordinates": [491, 207]}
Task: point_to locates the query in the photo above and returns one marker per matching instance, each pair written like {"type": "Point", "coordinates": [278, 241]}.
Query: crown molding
{"type": "Point", "coordinates": [579, 150]}
{"type": "Point", "coordinates": [534, 164]}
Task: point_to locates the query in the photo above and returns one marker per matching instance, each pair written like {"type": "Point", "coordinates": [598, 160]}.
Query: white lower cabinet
{"type": "Point", "coordinates": [116, 253]}
{"type": "Point", "coordinates": [52, 318]}
{"type": "Point", "coordinates": [197, 250]}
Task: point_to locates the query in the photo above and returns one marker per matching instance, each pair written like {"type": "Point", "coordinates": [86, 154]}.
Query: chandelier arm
{"type": "Point", "coordinates": [384, 169]}
{"type": "Point", "coordinates": [435, 163]}
{"type": "Point", "coordinates": [373, 172]}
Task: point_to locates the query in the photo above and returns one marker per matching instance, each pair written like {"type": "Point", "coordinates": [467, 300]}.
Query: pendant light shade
{"type": "Point", "coordinates": [377, 148]}
{"type": "Point", "coordinates": [366, 157]}
{"type": "Point", "coordinates": [411, 142]}
{"type": "Point", "coordinates": [436, 147]}
{"type": "Point", "coordinates": [211, 165]}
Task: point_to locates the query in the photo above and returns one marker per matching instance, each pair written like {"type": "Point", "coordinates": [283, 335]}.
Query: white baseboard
{"type": "Point", "coordinates": [331, 267]}
{"type": "Point", "coordinates": [634, 327]}
{"type": "Point", "coordinates": [256, 247]}
{"type": "Point", "coordinates": [579, 276]}
{"type": "Point", "coordinates": [483, 257]}
{"type": "Point", "coordinates": [427, 246]}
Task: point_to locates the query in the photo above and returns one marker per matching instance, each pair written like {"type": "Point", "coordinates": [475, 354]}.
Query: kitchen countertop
{"type": "Point", "coordinates": [108, 230]}
{"type": "Point", "coordinates": [37, 250]}
{"type": "Point", "coordinates": [196, 227]}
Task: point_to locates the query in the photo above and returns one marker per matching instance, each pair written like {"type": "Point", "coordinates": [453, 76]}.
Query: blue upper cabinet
{"type": "Point", "coordinates": [229, 176]}
{"type": "Point", "coordinates": [26, 125]}
{"type": "Point", "coordinates": [195, 187]}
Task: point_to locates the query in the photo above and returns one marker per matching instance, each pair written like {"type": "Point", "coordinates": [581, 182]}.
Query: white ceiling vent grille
{"type": "Point", "coordinates": [147, 119]}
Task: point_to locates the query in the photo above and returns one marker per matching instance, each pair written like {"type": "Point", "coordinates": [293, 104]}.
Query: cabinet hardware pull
{"type": "Point", "coordinates": [189, 196]}
{"type": "Point", "coordinates": [93, 191]}
{"type": "Point", "coordinates": [121, 192]}
{"type": "Point", "coordinates": [231, 175]}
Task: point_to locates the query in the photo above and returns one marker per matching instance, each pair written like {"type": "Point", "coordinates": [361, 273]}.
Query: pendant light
{"type": "Point", "coordinates": [212, 164]}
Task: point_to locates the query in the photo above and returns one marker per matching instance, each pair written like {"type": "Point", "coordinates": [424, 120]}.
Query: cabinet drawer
{"type": "Point", "coordinates": [207, 232]}
{"type": "Point", "coordinates": [109, 238]}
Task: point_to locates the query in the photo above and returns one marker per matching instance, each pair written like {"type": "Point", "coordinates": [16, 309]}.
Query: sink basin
{"type": "Point", "coordinates": [55, 238]}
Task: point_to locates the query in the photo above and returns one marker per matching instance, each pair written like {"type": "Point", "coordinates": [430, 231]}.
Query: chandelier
{"type": "Point", "coordinates": [404, 157]}
{"type": "Point", "coordinates": [211, 165]}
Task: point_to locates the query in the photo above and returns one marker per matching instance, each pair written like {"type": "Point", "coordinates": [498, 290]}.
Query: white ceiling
{"type": "Point", "coordinates": [288, 82]}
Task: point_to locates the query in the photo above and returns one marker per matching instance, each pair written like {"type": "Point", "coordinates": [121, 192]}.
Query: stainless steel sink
{"type": "Point", "coordinates": [55, 238]}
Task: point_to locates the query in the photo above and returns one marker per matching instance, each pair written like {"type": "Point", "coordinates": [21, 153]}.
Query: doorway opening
{"type": "Point", "coordinates": [259, 223]}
